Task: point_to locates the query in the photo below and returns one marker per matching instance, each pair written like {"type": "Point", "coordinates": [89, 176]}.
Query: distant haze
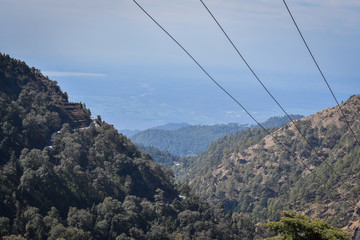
{"type": "Point", "coordinates": [110, 56]}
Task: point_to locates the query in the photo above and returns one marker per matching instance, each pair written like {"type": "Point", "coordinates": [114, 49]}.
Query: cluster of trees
{"type": "Point", "coordinates": [293, 226]}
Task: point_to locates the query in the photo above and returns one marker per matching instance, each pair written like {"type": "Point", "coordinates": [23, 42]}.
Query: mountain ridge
{"type": "Point", "coordinates": [262, 178]}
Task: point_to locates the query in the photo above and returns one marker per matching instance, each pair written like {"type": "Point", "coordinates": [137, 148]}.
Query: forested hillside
{"type": "Point", "coordinates": [65, 177]}
{"type": "Point", "coordinates": [164, 158]}
{"type": "Point", "coordinates": [187, 166]}
{"type": "Point", "coordinates": [193, 139]}
{"type": "Point", "coordinates": [32, 107]}
{"type": "Point", "coordinates": [251, 173]}
{"type": "Point", "coordinates": [190, 140]}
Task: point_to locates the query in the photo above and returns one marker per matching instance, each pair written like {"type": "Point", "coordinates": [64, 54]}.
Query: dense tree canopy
{"type": "Point", "coordinates": [294, 226]}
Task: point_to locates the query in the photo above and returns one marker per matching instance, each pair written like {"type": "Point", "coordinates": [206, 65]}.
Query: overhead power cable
{"type": "Point", "coordinates": [322, 75]}
{"type": "Point", "coordinates": [233, 98]}
{"type": "Point", "coordinates": [266, 89]}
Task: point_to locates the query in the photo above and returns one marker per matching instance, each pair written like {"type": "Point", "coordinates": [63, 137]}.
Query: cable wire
{"type": "Point", "coordinates": [262, 84]}
{"type": "Point", "coordinates": [227, 93]}
{"type": "Point", "coordinates": [322, 75]}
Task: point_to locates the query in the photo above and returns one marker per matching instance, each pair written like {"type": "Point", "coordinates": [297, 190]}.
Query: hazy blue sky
{"type": "Point", "coordinates": [109, 55]}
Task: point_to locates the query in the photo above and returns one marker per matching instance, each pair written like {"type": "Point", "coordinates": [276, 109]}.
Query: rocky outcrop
{"type": "Point", "coordinates": [77, 115]}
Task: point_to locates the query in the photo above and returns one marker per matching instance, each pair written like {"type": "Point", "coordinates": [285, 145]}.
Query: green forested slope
{"type": "Point", "coordinates": [68, 181]}
{"type": "Point", "coordinates": [192, 140]}
{"type": "Point", "coordinates": [31, 108]}
{"type": "Point", "coordinates": [255, 175]}
{"type": "Point", "coordinates": [163, 158]}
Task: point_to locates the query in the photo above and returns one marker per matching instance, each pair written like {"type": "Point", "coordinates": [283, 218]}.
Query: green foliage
{"type": "Point", "coordinates": [294, 226]}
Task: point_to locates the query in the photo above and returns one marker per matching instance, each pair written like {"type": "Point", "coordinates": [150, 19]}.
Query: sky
{"type": "Point", "coordinates": [112, 57]}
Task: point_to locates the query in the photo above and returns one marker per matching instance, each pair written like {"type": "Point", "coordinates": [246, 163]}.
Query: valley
{"type": "Point", "coordinates": [250, 172]}
{"type": "Point", "coordinates": [88, 181]}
